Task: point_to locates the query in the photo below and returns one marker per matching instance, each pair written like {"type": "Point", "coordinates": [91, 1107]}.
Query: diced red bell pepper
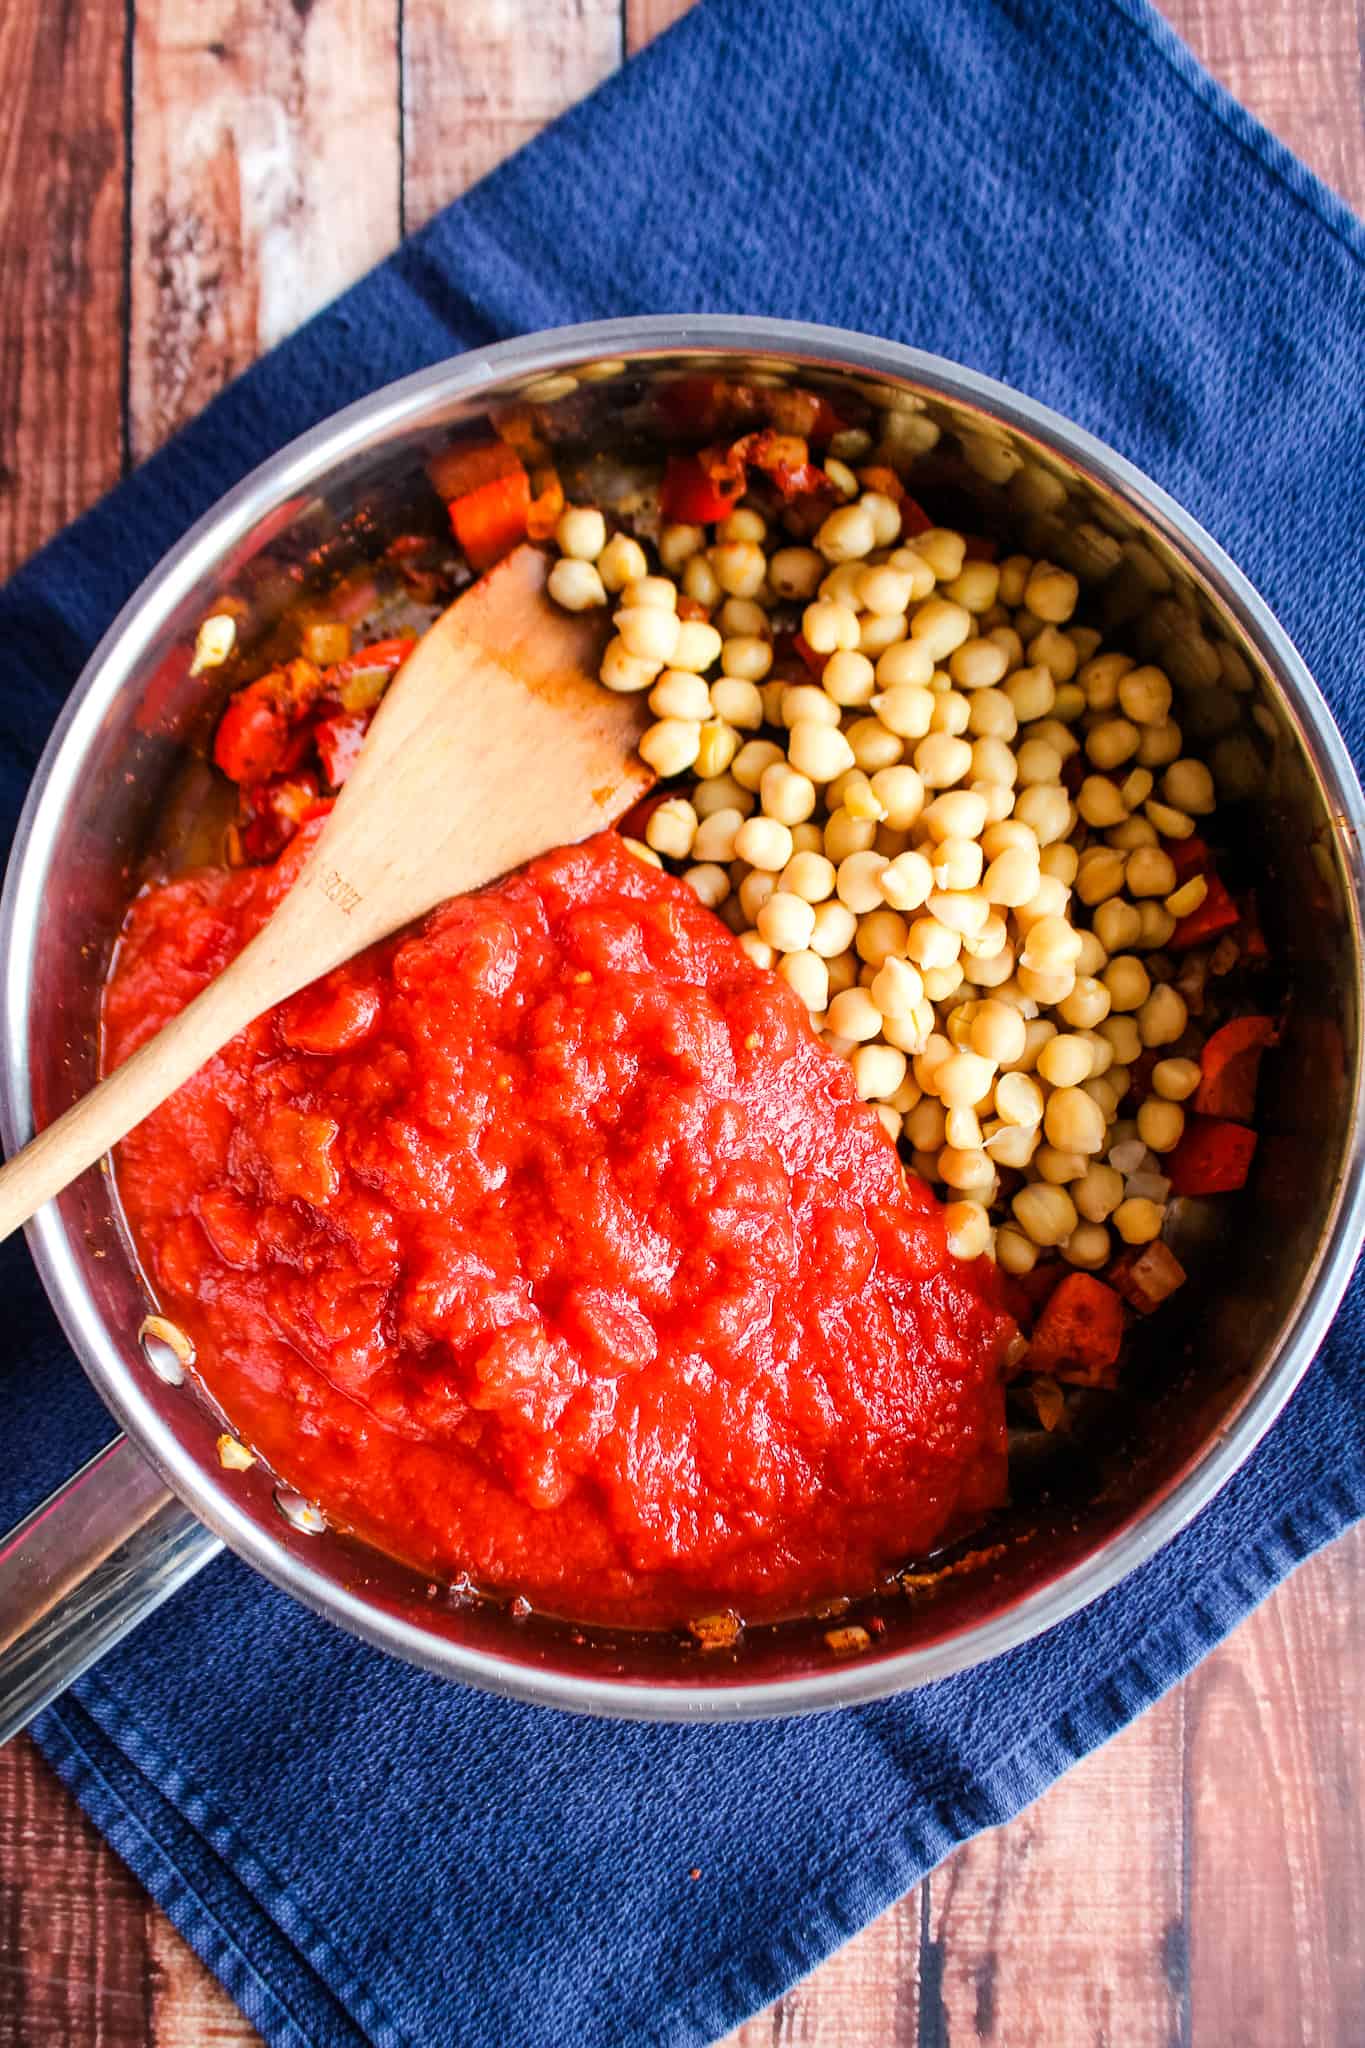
{"type": "Point", "coordinates": [272, 812]}
{"type": "Point", "coordinates": [914, 518]}
{"type": "Point", "coordinates": [880, 477]}
{"type": "Point", "coordinates": [703, 405]}
{"type": "Point", "coordinates": [373, 667]}
{"type": "Point", "coordinates": [691, 495]}
{"type": "Point", "coordinates": [489, 522]}
{"type": "Point", "coordinates": [339, 741]}
{"type": "Point", "coordinates": [1189, 857]}
{"type": "Point", "coordinates": [1230, 1066]}
{"type": "Point", "coordinates": [263, 732]}
{"type": "Point", "coordinates": [786, 463]}
{"type": "Point", "coordinates": [1146, 1275]}
{"type": "Point", "coordinates": [1079, 1334]}
{"type": "Point", "coordinates": [459, 471]}
{"type": "Point", "coordinates": [1217, 913]}
{"type": "Point", "coordinates": [1213, 1157]}
{"type": "Point", "coordinates": [1027, 1293]}
{"type": "Point", "coordinates": [802, 648]}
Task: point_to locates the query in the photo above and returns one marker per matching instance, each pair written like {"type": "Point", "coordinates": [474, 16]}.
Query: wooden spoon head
{"type": "Point", "coordinates": [494, 743]}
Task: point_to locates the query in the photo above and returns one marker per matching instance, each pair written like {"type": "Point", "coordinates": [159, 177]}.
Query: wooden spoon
{"type": "Point", "coordinates": [493, 744]}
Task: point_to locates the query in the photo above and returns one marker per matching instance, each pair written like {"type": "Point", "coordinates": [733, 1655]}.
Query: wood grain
{"type": "Point", "coordinates": [481, 78]}
{"type": "Point", "coordinates": [62, 163]}
{"type": "Point", "coordinates": [1298, 65]}
{"type": "Point", "coordinates": [646, 19]}
{"type": "Point", "coordinates": [265, 178]}
{"type": "Point", "coordinates": [1069, 1927]}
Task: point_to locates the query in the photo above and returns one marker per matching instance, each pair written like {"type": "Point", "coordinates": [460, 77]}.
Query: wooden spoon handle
{"type": "Point", "coordinates": [278, 961]}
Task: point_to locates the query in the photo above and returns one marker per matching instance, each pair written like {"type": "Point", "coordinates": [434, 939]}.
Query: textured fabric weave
{"type": "Point", "coordinates": [1051, 191]}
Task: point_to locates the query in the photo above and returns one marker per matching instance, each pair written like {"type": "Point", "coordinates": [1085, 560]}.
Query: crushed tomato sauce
{"type": "Point", "coordinates": [546, 1243]}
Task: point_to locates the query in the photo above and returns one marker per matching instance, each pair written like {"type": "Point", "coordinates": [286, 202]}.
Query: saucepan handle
{"type": "Point", "coordinates": [93, 1560]}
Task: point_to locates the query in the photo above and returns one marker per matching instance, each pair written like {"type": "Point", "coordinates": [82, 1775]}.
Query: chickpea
{"type": "Point", "coordinates": [1066, 1060]}
{"type": "Point", "coordinates": [1163, 1017]}
{"type": "Point", "coordinates": [1123, 1036]}
{"type": "Point", "coordinates": [1057, 1167]}
{"type": "Point", "coordinates": [1045, 1214]}
{"type": "Point", "coordinates": [1018, 1099]}
{"type": "Point", "coordinates": [994, 1031]}
{"type": "Point", "coordinates": [1157, 925]}
{"type": "Point", "coordinates": [1015, 1252]}
{"type": "Point", "coordinates": [1150, 872]}
{"type": "Point", "coordinates": [1145, 695]}
{"type": "Point", "coordinates": [575, 585]}
{"type": "Point", "coordinates": [698, 646]}
{"type": "Point", "coordinates": [834, 931]}
{"type": "Point", "coordinates": [714, 837]}
{"type": "Point", "coordinates": [880, 934]}
{"type": "Point", "coordinates": [931, 945]}
{"type": "Point", "coordinates": [1112, 743]}
{"type": "Point", "coordinates": [942, 759]}
{"type": "Point", "coordinates": [1098, 1192]}
{"type": "Point", "coordinates": [621, 561]}
{"type": "Point", "coordinates": [1073, 1120]}
{"type": "Point", "coordinates": [968, 1170]}
{"type": "Point", "coordinates": [1100, 802]}
{"type": "Point", "coordinates": [940, 626]}
{"type": "Point", "coordinates": [964, 1079]}
{"type": "Point", "coordinates": [827, 627]}
{"type": "Point", "coordinates": [1046, 809]}
{"type": "Point", "coordinates": [853, 1014]}
{"type": "Point", "coordinates": [807, 974]}
{"type": "Point", "coordinates": [709, 883]}
{"type": "Point", "coordinates": [1161, 1124]}
{"type": "Point", "coordinates": [764, 843]}
{"type": "Point", "coordinates": [969, 1229]}
{"type": "Point", "coordinates": [1088, 1003]}
{"type": "Point", "coordinates": [878, 1071]}
{"type": "Point", "coordinates": [896, 988]}
{"type": "Point", "coordinates": [1087, 1247]}
{"type": "Point", "coordinates": [978, 664]}
{"type": "Point", "coordinates": [1138, 1221]}
{"type": "Point", "coordinates": [849, 678]}
{"type": "Point", "coordinates": [1051, 593]}
{"type": "Point", "coordinates": [845, 834]}
{"type": "Point", "coordinates": [757, 949]}
{"type": "Point", "coordinates": [1127, 981]}
{"type": "Point", "coordinates": [1188, 786]}
{"type": "Point", "coordinates": [785, 794]}
{"type": "Point", "coordinates": [1117, 924]}
{"type": "Point", "coordinates": [907, 882]}
{"type": "Point", "coordinates": [717, 745]}
{"type": "Point", "coordinates": [1031, 693]}
{"type": "Point", "coordinates": [1175, 1080]}
{"type": "Point", "coordinates": [900, 792]}
{"type": "Point", "coordinates": [874, 745]}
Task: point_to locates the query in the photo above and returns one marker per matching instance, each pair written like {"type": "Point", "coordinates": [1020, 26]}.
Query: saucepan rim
{"type": "Point", "coordinates": [299, 468]}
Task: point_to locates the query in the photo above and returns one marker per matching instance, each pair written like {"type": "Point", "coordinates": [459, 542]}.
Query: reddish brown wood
{"type": "Point", "coordinates": [265, 178]}
{"type": "Point", "coordinates": [1298, 65]}
{"type": "Point", "coordinates": [1275, 1827]}
{"type": "Point", "coordinates": [481, 78]}
{"type": "Point", "coordinates": [62, 159]}
{"type": "Point", "coordinates": [646, 19]}
{"type": "Point", "coordinates": [74, 1962]}
{"type": "Point", "coordinates": [248, 210]}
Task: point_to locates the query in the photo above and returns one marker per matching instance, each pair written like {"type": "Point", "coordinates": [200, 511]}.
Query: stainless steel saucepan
{"type": "Point", "coordinates": [1210, 1374]}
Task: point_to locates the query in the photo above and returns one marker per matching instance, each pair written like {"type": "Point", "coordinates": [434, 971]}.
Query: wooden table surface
{"type": "Point", "coordinates": [169, 181]}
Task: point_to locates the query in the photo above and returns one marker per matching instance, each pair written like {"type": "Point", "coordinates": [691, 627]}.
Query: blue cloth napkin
{"type": "Point", "coordinates": [1052, 191]}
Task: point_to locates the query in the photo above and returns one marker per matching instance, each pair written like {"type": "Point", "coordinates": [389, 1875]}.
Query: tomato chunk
{"type": "Point", "coordinates": [1146, 1275]}
{"type": "Point", "coordinates": [1217, 913]}
{"type": "Point", "coordinates": [693, 494]}
{"type": "Point", "coordinates": [1079, 1333]}
{"type": "Point", "coordinates": [1213, 1157]}
{"type": "Point", "coordinates": [1230, 1066]}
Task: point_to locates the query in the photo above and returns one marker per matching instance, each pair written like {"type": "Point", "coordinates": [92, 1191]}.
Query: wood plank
{"type": "Point", "coordinates": [189, 2008]}
{"type": "Point", "coordinates": [1276, 1817]}
{"type": "Point", "coordinates": [481, 78]}
{"type": "Point", "coordinates": [62, 162]}
{"type": "Point", "coordinates": [1066, 1927]}
{"type": "Point", "coordinates": [73, 1952]}
{"type": "Point", "coordinates": [265, 178]}
{"type": "Point", "coordinates": [646, 19]}
{"type": "Point", "coordinates": [865, 1996]}
{"type": "Point", "coordinates": [1299, 68]}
